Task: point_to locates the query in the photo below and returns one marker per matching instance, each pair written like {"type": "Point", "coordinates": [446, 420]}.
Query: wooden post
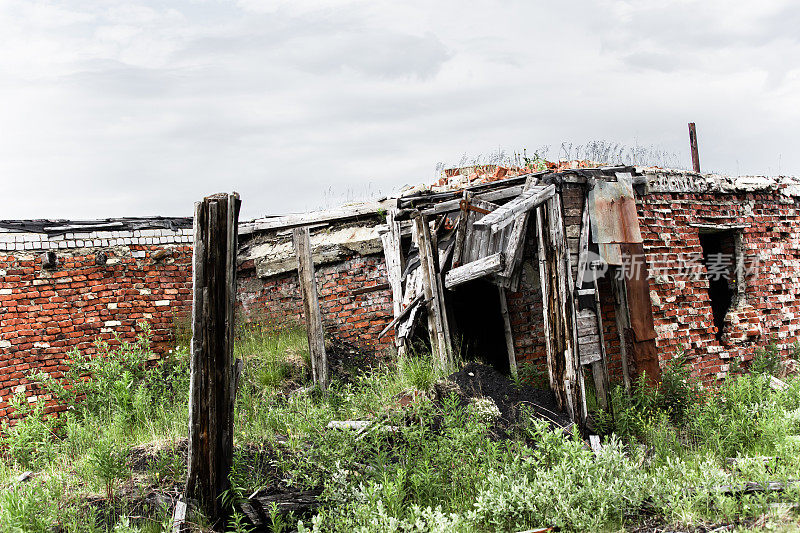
{"type": "Point", "coordinates": [567, 371]}
{"type": "Point", "coordinates": [623, 323]}
{"type": "Point", "coordinates": [393, 253]}
{"type": "Point", "coordinates": [693, 147]}
{"type": "Point", "coordinates": [544, 283]}
{"type": "Point", "coordinates": [512, 358]}
{"type": "Point", "coordinates": [211, 389]}
{"type": "Point", "coordinates": [440, 339]}
{"type": "Point", "coordinates": [311, 312]}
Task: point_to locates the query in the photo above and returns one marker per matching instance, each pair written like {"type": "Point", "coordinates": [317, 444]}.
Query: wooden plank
{"type": "Point", "coordinates": [461, 230]}
{"type": "Point", "coordinates": [393, 253]}
{"type": "Point", "coordinates": [544, 281]}
{"type": "Point", "coordinates": [594, 442]}
{"type": "Point", "coordinates": [373, 288]}
{"type": "Point", "coordinates": [483, 239]}
{"type": "Point", "coordinates": [777, 384]}
{"type": "Point", "coordinates": [413, 289]}
{"type": "Point", "coordinates": [491, 196]}
{"type": "Point", "coordinates": [440, 343]}
{"type": "Point", "coordinates": [311, 311]}
{"type": "Point", "coordinates": [623, 323]}
{"type": "Point", "coordinates": [505, 214]}
{"type": "Point", "coordinates": [474, 270]}
{"type": "Point", "coordinates": [573, 376]}
{"type": "Point", "coordinates": [212, 376]}
{"type": "Point", "coordinates": [179, 517]}
{"type": "Point", "coordinates": [403, 314]}
{"type": "Point", "coordinates": [586, 322]}
{"type": "Point", "coordinates": [600, 368]}
{"type": "Point", "coordinates": [583, 246]}
{"type": "Point", "coordinates": [306, 219]}
{"type": "Point", "coordinates": [512, 358]}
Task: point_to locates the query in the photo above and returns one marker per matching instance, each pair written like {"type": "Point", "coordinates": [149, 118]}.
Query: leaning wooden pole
{"type": "Point", "coordinates": [212, 375]}
{"type": "Point", "coordinates": [311, 311]}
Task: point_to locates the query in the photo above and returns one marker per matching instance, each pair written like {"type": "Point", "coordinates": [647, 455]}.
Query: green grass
{"type": "Point", "coordinates": [443, 471]}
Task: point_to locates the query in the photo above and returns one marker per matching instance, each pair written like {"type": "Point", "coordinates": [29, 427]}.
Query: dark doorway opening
{"type": "Point", "coordinates": [719, 258]}
{"type": "Point", "coordinates": [477, 324]}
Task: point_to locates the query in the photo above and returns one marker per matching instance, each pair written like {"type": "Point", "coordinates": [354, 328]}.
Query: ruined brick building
{"type": "Point", "coordinates": [717, 279]}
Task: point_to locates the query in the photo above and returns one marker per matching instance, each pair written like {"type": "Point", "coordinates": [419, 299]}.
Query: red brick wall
{"type": "Point", "coordinates": [44, 314]}
{"type": "Point", "coordinates": [771, 305]}
{"type": "Point", "coordinates": [525, 309]}
{"type": "Point", "coordinates": [355, 319]}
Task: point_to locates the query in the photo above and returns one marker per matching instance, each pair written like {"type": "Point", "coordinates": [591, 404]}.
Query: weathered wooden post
{"type": "Point", "coordinates": [212, 383]}
{"type": "Point", "coordinates": [311, 312]}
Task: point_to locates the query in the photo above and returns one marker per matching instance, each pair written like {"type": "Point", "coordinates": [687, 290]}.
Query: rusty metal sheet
{"type": "Point", "coordinates": [640, 311]}
{"type": "Point", "coordinates": [610, 253]}
{"type": "Point", "coordinates": [612, 210]}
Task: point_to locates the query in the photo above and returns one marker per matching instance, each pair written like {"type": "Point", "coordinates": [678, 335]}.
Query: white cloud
{"type": "Point", "coordinates": [113, 109]}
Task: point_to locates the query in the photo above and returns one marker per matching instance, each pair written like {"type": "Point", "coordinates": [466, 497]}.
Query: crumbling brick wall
{"type": "Point", "coordinates": [769, 308]}
{"type": "Point", "coordinates": [356, 319]}
{"type": "Point", "coordinates": [47, 312]}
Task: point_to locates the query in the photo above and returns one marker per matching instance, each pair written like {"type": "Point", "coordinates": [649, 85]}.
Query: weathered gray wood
{"type": "Point", "coordinates": [477, 241]}
{"type": "Point", "coordinates": [306, 219]}
{"type": "Point", "coordinates": [505, 214]}
{"type": "Point", "coordinates": [572, 390]}
{"type": "Point", "coordinates": [544, 283]}
{"type": "Point", "coordinates": [474, 270]}
{"type": "Point", "coordinates": [412, 289]}
{"type": "Point", "coordinates": [512, 358]}
{"type": "Point", "coordinates": [491, 196]}
{"type": "Point", "coordinates": [179, 517]}
{"type": "Point", "coordinates": [404, 313]}
{"type": "Point", "coordinates": [583, 246]}
{"type": "Point", "coordinates": [440, 258]}
{"type": "Point", "coordinates": [516, 244]}
{"type": "Point", "coordinates": [461, 229]}
{"type": "Point", "coordinates": [260, 506]}
{"type": "Point", "coordinates": [311, 311]}
{"type": "Point", "coordinates": [600, 368]}
{"type": "Point", "coordinates": [440, 342]}
{"type": "Point", "coordinates": [594, 442]}
{"type": "Point", "coordinates": [623, 323]}
{"type": "Point", "coordinates": [777, 384]}
{"type": "Point", "coordinates": [212, 376]}
{"type": "Point", "coordinates": [394, 270]}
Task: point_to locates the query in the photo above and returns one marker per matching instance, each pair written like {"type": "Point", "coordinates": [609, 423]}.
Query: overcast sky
{"type": "Point", "coordinates": [140, 108]}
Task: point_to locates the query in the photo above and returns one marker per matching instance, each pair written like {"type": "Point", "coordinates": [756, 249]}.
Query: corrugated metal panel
{"type": "Point", "coordinates": [612, 210]}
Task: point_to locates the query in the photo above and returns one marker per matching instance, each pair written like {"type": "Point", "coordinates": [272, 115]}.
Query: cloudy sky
{"type": "Point", "coordinates": [137, 108]}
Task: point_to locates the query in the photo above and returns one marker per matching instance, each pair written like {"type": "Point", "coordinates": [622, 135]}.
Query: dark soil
{"type": "Point", "coordinates": [477, 380]}
{"type": "Point", "coordinates": [346, 362]}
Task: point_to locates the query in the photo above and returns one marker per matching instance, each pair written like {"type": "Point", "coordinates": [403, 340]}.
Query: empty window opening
{"type": "Point", "coordinates": [477, 324]}
{"type": "Point", "coordinates": [723, 270]}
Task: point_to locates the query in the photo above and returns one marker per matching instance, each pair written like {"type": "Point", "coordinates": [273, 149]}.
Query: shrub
{"type": "Point", "coordinates": [120, 383]}
{"type": "Point", "coordinates": [108, 464]}
{"type": "Point", "coordinates": [767, 360]}
{"type": "Point", "coordinates": [29, 442]}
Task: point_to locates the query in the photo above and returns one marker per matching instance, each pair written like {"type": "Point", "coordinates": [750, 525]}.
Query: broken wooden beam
{"type": "Point", "coordinates": [437, 328]}
{"type": "Point", "coordinates": [474, 270]}
{"type": "Point", "coordinates": [505, 214]}
{"type": "Point", "coordinates": [493, 196]}
{"type": "Point", "coordinates": [404, 313]}
{"type": "Point", "coordinates": [374, 288]}
{"type": "Point", "coordinates": [261, 507]}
